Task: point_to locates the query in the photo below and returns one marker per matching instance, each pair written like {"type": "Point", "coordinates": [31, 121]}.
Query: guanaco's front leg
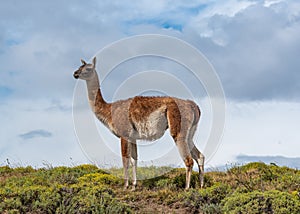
{"type": "Point", "coordinates": [125, 148]}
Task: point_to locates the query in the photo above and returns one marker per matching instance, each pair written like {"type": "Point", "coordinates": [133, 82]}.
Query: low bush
{"type": "Point", "coordinates": [252, 188]}
{"type": "Point", "coordinates": [272, 201]}
{"type": "Point", "coordinates": [83, 189]}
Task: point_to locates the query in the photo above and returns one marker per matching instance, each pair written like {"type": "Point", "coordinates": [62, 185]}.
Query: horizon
{"type": "Point", "coordinates": [253, 47]}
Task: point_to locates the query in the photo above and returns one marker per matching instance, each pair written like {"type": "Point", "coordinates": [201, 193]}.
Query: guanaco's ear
{"type": "Point", "coordinates": [94, 62]}
{"type": "Point", "coordinates": [83, 62]}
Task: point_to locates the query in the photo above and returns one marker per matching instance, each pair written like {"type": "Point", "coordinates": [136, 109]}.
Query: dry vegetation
{"type": "Point", "coordinates": [252, 188]}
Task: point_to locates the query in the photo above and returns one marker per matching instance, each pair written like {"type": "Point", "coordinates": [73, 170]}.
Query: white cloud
{"type": "Point", "coordinates": [46, 50]}
{"type": "Point", "coordinates": [259, 128]}
{"type": "Point", "coordinates": [255, 52]}
{"type": "Point", "coordinates": [269, 3]}
{"type": "Point", "coordinates": [253, 45]}
{"type": "Point", "coordinates": [225, 9]}
{"type": "Point", "coordinates": [21, 117]}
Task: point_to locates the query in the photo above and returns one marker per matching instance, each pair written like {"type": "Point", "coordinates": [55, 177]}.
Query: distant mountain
{"type": "Point", "coordinates": [278, 160]}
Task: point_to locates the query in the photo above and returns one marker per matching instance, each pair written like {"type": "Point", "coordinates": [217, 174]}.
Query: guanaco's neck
{"type": "Point", "coordinates": [99, 106]}
{"type": "Point", "coordinates": [94, 92]}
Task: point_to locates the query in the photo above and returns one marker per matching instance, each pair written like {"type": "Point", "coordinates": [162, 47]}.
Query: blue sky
{"type": "Point", "coordinates": [253, 45]}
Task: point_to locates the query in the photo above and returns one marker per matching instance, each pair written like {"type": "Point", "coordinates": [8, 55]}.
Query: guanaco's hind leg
{"type": "Point", "coordinates": [185, 154]}
{"type": "Point", "coordinates": [197, 155]}
{"type": "Point", "coordinates": [179, 128]}
{"type": "Point", "coordinates": [199, 158]}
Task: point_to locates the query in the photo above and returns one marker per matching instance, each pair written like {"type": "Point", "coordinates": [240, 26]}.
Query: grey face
{"type": "Point", "coordinates": [85, 71]}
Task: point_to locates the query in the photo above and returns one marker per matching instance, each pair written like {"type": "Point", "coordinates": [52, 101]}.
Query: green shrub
{"type": "Point", "coordinates": [5, 170]}
{"type": "Point", "coordinates": [165, 183]}
{"type": "Point", "coordinates": [261, 202]}
{"type": "Point", "coordinates": [91, 199]}
{"type": "Point", "coordinates": [252, 188]}
{"type": "Point", "coordinates": [263, 177]}
{"type": "Point", "coordinates": [208, 200]}
{"type": "Point", "coordinates": [211, 209]}
{"type": "Point", "coordinates": [82, 189]}
{"type": "Point", "coordinates": [216, 193]}
{"type": "Point", "coordinates": [289, 180]}
{"type": "Point", "coordinates": [98, 178]}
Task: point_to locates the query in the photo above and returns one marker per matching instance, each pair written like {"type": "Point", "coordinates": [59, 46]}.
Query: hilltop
{"type": "Point", "coordinates": [252, 188]}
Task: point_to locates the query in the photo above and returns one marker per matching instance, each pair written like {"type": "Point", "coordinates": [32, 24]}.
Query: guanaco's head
{"type": "Point", "coordinates": [86, 71]}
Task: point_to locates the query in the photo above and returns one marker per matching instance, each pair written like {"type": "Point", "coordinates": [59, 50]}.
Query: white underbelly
{"type": "Point", "coordinates": [152, 128]}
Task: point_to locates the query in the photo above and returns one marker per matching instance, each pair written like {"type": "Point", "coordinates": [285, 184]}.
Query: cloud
{"type": "Point", "coordinates": [37, 120]}
{"type": "Point", "coordinates": [248, 42]}
{"type": "Point", "coordinates": [254, 46]}
{"type": "Point", "coordinates": [267, 128]}
{"type": "Point", "coordinates": [255, 51]}
{"type": "Point", "coordinates": [36, 133]}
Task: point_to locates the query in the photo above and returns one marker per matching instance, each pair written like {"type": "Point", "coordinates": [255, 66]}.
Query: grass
{"type": "Point", "coordinates": [252, 188]}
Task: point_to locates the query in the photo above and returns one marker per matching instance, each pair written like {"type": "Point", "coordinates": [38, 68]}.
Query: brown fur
{"type": "Point", "coordinates": [124, 148]}
{"type": "Point", "coordinates": [189, 162]}
{"type": "Point", "coordinates": [146, 118]}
